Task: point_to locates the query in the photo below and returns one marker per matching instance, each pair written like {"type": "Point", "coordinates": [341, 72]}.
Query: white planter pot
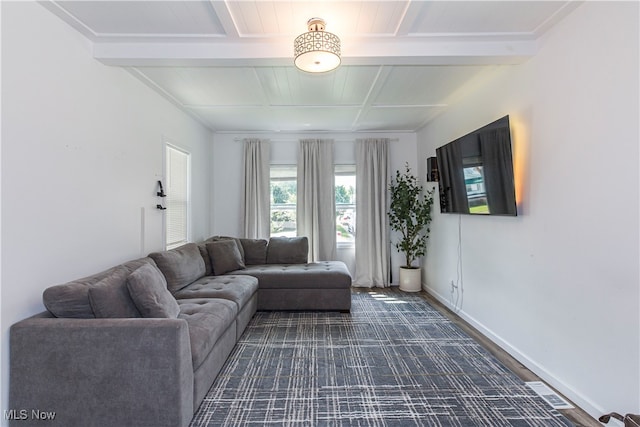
{"type": "Point", "coordinates": [410, 279]}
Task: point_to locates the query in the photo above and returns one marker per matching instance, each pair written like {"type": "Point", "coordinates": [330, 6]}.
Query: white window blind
{"type": "Point", "coordinates": [177, 201]}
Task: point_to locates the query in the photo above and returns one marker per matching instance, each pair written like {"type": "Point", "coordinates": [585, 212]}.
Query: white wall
{"type": "Point", "coordinates": [558, 286]}
{"type": "Point", "coordinates": [227, 167]}
{"type": "Point", "coordinates": [82, 149]}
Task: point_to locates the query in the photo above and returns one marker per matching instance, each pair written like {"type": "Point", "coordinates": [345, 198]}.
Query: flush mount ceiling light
{"type": "Point", "coordinates": [316, 51]}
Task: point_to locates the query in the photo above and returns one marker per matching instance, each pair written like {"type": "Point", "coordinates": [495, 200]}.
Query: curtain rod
{"type": "Point", "coordinates": [238, 139]}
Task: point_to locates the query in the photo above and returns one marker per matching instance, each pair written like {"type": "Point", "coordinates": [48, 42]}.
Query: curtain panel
{"type": "Point", "coordinates": [372, 205]}
{"type": "Point", "coordinates": [316, 210]}
{"type": "Point", "coordinates": [256, 200]}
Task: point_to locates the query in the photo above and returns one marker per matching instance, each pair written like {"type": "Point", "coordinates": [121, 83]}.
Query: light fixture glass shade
{"type": "Point", "coordinates": [316, 51]}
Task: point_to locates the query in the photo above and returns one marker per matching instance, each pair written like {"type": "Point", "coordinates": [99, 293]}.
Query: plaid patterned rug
{"type": "Point", "coordinates": [393, 361]}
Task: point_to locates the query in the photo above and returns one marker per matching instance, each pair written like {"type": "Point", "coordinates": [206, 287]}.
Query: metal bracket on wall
{"type": "Point", "coordinates": [160, 193]}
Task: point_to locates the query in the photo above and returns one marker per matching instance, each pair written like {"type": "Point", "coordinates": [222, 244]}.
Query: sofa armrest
{"type": "Point", "coordinates": [101, 372]}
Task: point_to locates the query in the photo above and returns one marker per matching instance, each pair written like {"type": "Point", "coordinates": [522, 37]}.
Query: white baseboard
{"type": "Point", "coordinates": [577, 398]}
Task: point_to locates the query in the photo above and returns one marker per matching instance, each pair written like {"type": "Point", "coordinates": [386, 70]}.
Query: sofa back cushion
{"type": "Point", "coordinates": [225, 256]}
{"type": "Point", "coordinates": [181, 266]}
{"type": "Point", "coordinates": [68, 300]}
{"type": "Point", "coordinates": [288, 250]}
{"type": "Point", "coordinates": [148, 289]}
{"type": "Point", "coordinates": [255, 251]}
{"type": "Point", "coordinates": [72, 299]}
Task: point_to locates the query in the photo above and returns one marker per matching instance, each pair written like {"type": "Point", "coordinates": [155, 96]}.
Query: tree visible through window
{"type": "Point", "coordinates": [345, 190]}
{"type": "Point", "coordinates": [283, 188]}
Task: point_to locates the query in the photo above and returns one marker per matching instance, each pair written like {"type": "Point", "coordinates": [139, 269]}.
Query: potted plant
{"type": "Point", "coordinates": [410, 216]}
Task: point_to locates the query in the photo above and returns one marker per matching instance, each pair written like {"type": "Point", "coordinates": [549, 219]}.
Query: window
{"type": "Point", "coordinates": [475, 185]}
{"type": "Point", "coordinates": [476, 191]}
{"type": "Point", "coordinates": [177, 201]}
{"type": "Point", "coordinates": [345, 190]}
{"type": "Point", "coordinates": [283, 187]}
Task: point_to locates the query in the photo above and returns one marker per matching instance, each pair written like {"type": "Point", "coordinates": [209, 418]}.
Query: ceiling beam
{"type": "Point", "coordinates": [226, 20]}
{"type": "Point", "coordinates": [279, 52]}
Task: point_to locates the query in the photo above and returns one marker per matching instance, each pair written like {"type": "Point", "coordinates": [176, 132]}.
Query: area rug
{"type": "Point", "coordinates": [393, 361]}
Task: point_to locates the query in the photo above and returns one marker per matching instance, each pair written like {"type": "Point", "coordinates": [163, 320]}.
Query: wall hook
{"type": "Point", "coordinates": [161, 192]}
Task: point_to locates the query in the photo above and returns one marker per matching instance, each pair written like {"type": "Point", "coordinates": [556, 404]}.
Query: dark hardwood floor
{"type": "Point", "coordinates": [576, 415]}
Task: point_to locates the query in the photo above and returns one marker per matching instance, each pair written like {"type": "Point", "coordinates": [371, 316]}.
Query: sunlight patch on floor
{"type": "Point", "coordinates": [386, 298]}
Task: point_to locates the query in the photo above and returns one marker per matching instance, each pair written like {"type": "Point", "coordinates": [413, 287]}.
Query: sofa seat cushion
{"type": "Point", "coordinates": [317, 275]}
{"type": "Point", "coordinates": [208, 319]}
{"type": "Point", "coordinates": [238, 289]}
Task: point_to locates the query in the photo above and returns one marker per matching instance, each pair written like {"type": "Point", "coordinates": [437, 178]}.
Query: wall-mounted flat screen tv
{"type": "Point", "coordinates": [476, 172]}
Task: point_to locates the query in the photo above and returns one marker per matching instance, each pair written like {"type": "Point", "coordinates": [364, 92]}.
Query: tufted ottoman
{"type": "Point", "coordinates": [324, 285]}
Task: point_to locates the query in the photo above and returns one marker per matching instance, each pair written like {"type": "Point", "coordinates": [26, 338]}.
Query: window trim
{"type": "Point", "coordinates": [168, 144]}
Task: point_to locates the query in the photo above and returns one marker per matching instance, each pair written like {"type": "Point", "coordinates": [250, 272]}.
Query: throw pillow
{"type": "Point", "coordinates": [148, 289]}
{"type": "Point", "coordinates": [181, 266]}
{"type": "Point", "coordinates": [225, 256]}
{"type": "Point", "coordinates": [202, 247]}
{"type": "Point", "coordinates": [218, 238]}
{"type": "Point", "coordinates": [110, 297]}
{"type": "Point", "coordinates": [288, 250]}
{"type": "Point", "coordinates": [255, 251]}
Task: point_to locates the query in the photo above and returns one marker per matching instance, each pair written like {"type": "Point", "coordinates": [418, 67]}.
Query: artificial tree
{"type": "Point", "coordinates": [410, 215]}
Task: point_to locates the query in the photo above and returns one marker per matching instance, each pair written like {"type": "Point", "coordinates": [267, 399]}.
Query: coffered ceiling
{"type": "Point", "coordinates": [229, 63]}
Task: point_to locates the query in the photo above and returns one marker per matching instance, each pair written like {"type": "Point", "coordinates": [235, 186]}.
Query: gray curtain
{"type": "Point", "coordinates": [256, 200]}
{"type": "Point", "coordinates": [316, 204]}
{"type": "Point", "coordinates": [498, 170]}
{"type": "Point", "coordinates": [372, 205]}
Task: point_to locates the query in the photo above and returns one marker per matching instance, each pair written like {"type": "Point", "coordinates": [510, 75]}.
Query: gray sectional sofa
{"type": "Point", "coordinates": [140, 344]}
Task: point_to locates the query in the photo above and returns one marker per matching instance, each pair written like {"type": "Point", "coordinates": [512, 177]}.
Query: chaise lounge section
{"type": "Point", "coordinates": [287, 281]}
{"type": "Point", "coordinates": [140, 344]}
{"type": "Point", "coordinates": [323, 285]}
